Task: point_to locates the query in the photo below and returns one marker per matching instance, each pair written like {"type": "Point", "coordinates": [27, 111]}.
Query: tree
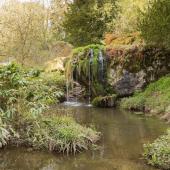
{"type": "Point", "coordinates": [127, 18]}
{"type": "Point", "coordinates": [23, 30]}
{"type": "Point", "coordinates": [86, 21]}
{"type": "Point", "coordinates": [58, 8]}
{"type": "Point", "coordinates": [155, 23]}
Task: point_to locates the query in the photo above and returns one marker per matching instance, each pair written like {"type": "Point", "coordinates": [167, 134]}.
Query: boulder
{"type": "Point", "coordinates": [106, 101]}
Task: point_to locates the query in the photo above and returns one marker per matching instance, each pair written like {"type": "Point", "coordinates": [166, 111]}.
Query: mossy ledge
{"type": "Point", "coordinates": [105, 101]}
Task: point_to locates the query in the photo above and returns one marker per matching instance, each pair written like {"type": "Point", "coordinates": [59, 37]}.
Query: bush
{"type": "Point", "coordinates": [4, 134]}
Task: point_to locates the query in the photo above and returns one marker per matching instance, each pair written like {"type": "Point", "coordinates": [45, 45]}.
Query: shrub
{"type": "Point", "coordinates": [136, 103]}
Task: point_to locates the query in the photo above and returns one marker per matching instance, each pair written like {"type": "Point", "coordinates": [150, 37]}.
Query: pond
{"type": "Point", "coordinates": [120, 147]}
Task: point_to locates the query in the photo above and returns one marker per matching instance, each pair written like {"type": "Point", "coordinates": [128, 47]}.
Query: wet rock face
{"type": "Point", "coordinates": [127, 83]}
{"type": "Point", "coordinates": [132, 69]}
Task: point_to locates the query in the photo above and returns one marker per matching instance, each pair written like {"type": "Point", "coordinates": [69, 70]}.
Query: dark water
{"type": "Point", "coordinates": [120, 146]}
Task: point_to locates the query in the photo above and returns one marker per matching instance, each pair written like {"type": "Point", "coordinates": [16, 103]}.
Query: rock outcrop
{"type": "Point", "coordinates": [131, 69]}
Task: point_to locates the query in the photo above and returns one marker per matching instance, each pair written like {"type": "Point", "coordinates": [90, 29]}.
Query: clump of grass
{"type": "Point", "coordinates": [4, 134]}
{"type": "Point", "coordinates": [58, 134]}
{"type": "Point", "coordinates": [158, 152]}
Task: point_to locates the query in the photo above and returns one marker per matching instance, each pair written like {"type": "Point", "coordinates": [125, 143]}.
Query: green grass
{"type": "Point", "coordinates": [155, 98]}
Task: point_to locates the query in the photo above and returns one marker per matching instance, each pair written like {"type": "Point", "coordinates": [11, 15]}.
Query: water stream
{"type": "Point", "coordinates": [123, 135]}
{"type": "Point", "coordinates": [101, 66]}
{"type": "Point", "coordinates": [91, 55]}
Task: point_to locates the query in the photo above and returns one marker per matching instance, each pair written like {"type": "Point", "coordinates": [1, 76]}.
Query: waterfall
{"type": "Point", "coordinates": [101, 66]}
{"type": "Point", "coordinates": [67, 90]}
{"type": "Point", "coordinates": [91, 55]}
{"type": "Point", "coordinates": [76, 80]}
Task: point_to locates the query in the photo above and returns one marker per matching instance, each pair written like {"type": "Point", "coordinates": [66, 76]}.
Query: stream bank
{"type": "Point", "coordinates": [120, 132]}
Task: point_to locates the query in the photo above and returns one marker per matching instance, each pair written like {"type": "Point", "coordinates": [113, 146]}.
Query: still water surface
{"type": "Point", "coordinates": [123, 135]}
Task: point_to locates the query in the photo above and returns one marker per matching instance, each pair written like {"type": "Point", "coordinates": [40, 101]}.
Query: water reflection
{"type": "Point", "coordinates": [120, 145]}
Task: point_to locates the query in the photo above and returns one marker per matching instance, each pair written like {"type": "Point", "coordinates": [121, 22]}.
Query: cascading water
{"type": "Point", "coordinates": [76, 80]}
{"type": "Point", "coordinates": [101, 66]}
{"type": "Point", "coordinates": [71, 88]}
{"type": "Point", "coordinates": [67, 90]}
{"type": "Point", "coordinates": [91, 56]}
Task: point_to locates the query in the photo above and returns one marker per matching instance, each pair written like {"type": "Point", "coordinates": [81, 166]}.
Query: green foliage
{"type": "Point", "coordinates": [136, 103]}
{"type": "Point", "coordinates": [21, 112]}
{"type": "Point", "coordinates": [155, 98]}
{"type": "Point", "coordinates": [19, 88]}
{"type": "Point", "coordinates": [86, 21]}
{"type": "Point", "coordinates": [155, 23]}
{"type": "Point", "coordinates": [128, 15]}
{"type": "Point", "coordinates": [158, 152]}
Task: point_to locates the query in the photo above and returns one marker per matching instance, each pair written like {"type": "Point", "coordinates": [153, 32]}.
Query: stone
{"type": "Point", "coordinates": [126, 83]}
{"type": "Point", "coordinates": [106, 101]}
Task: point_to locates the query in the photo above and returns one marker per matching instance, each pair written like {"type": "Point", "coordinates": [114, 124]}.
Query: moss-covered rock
{"type": "Point", "coordinates": [88, 66]}
{"type": "Point", "coordinates": [126, 68]}
{"type": "Point", "coordinates": [106, 101]}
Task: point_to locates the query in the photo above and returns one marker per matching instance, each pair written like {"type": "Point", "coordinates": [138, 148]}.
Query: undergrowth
{"type": "Point", "coordinates": [24, 97]}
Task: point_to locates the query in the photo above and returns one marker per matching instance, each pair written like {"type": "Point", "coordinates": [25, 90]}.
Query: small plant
{"type": "Point", "coordinates": [4, 134]}
{"type": "Point", "coordinates": [158, 152]}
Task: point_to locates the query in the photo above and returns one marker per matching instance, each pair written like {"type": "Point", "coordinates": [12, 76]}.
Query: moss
{"type": "Point", "coordinates": [85, 49]}
{"type": "Point", "coordinates": [81, 68]}
{"type": "Point", "coordinates": [106, 101]}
